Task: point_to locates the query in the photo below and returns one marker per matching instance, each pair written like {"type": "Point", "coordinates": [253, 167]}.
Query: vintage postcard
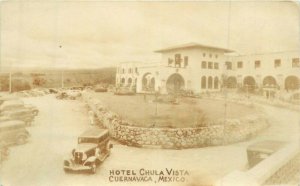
{"type": "Point", "coordinates": [149, 93]}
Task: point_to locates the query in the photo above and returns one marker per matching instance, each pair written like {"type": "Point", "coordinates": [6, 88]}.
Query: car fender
{"type": "Point", "coordinates": [68, 162]}
{"type": "Point", "coordinates": [90, 159]}
{"type": "Point", "coordinates": [23, 134]}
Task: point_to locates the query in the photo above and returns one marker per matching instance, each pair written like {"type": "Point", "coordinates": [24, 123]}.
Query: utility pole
{"type": "Point", "coordinates": [247, 87]}
{"type": "Point", "coordinates": [62, 79]}
{"type": "Point", "coordinates": [10, 84]}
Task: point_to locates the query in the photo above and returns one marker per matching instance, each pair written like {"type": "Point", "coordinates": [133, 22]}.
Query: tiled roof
{"type": "Point", "coordinates": [192, 45]}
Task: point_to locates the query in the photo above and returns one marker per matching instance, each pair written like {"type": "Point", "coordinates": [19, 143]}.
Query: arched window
{"type": "Point", "coordinates": [216, 83]}
{"type": "Point", "coordinates": [231, 82]}
{"type": "Point", "coordinates": [210, 82]}
{"type": "Point", "coordinates": [203, 82]}
{"type": "Point", "coordinates": [292, 83]}
{"type": "Point", "coordinates": [249, 84]}
{"type": "Point", "coordinates": [152, 84]}
{"type": "Point", "coordinates": [129, 81]}
{"type": "Point", "coordinates": [123, 81]}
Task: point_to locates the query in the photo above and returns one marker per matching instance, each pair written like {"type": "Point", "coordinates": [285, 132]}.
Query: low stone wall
{"type": "Point", "coordinates": [264, 170]}
{"type": "Point", "coordinates": [220, 133]}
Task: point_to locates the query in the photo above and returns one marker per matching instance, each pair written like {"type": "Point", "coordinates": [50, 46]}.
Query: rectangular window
{"type": "Point", "coordinates": [186, 61]}
{"type": "Point", "coordinates": [203, 64]}
{"type": "Point", "coordinates": [216, 65]}
{"type": "Point", "coordinates": [277, 63]}
{"type": "Point", "coordinates": [210, 65]}
{"type": "Point", "coordinates": [239, 64]}
{"type": "Point", "coordinates": [257, 64]}
{"type": "Point", "coordinates": [177, 60]}
{"type": "Point", "coordinates": [228, 65]}
{"type": "Point", "coordinates": [170, 61]}
{"type": "Point", "coordinates": [295, 62]}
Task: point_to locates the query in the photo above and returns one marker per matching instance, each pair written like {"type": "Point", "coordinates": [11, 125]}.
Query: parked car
{"type": "Point", "coordinates": [61, 95]}
{"type": "Point", "coordinates": [77, 88]}
{"type": "Point", "coordinates": [92, 149]}
{"type": "Point", "coordinates": [100, 88]}
{"type": "Point", "coordinates": [16, 109]}
{"type": "Point", "coordinates": [13, 132]}
{"type": "Point", "coordinates": [88, 88]}
{"type": "Point", "coordinates": [69, 94]}
{"type": "Point", "coordinates": [259, 151]}
{"type": "Point", "coordinates": [53, 91]}
{"type": "Point", "coordinates": [11, 105]}
{"type": "Point", "coordinates": [124, 91]}
{"type": "Point", "coordinates": [22, 114]}
{"type": "Point", "coordinates": [32, 108]}
{"type": "Point", "coordinates": [4, 151]}
{"type": "Point", "coordinates": [7, 98]}
{"type": "Point", "coordinates": [73, 94]}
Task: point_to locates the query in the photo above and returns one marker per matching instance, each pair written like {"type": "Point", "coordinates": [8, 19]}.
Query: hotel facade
{"type": "Point", "coordinates": [201, 68]}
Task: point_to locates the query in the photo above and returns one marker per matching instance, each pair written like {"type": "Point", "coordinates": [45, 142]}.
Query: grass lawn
{"type": "Point", "coordinates": [188, 113]}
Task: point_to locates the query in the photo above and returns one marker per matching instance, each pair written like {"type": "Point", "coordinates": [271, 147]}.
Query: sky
{"type": "Point", "coordinates": [94, 34]}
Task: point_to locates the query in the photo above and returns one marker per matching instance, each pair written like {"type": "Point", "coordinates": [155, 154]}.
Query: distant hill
{"type": "Point", "coordinates": [47, 78]}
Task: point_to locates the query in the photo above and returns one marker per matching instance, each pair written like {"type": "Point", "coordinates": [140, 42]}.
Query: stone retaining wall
{"type": "Point", "coordinates": [233, 130]}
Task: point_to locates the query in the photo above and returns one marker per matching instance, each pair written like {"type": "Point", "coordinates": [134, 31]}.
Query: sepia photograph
{"type": "Point", "coordinates": [149, 93]}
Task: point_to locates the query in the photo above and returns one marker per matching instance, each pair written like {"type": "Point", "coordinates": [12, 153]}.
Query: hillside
{"type": "Point", "coordinates": [22, 80]}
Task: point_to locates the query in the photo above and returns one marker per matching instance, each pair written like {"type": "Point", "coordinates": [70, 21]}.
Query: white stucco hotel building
{"type": "Point", "coordinates": [201, 68]}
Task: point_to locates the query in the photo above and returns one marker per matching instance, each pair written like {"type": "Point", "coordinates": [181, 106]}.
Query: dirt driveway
{"type": "Point", "coordinates": [54, 133]}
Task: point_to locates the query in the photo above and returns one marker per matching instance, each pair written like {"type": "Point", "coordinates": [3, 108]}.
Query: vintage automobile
{"type": "Point", "coordinates": [14, 104]}
{"type": "Point", "coordinates": [53, 91]}
{"type": "Point", "coordinates": [100, 88]}
{"type": "Point", "coordinates": [22, 114]}
{"type": "Point", "coordinates": [4, 151]}
{"type": "Point", "coordinates": [7, 98]}
{"type": "Point", "coordinates": [92, 149]}
{"type": "Point", "coordinates": [259, 151]}
{"type": "Point", "coordinates": [77, 88]}
{"type": "Point", "coordinates": [69, 94]}
{"type": "Point", "coordinates": [13, 132]}
{"type": "Point", "coordinates": [32, 108]}
{"type": "Point", "coordinates": [11, 104]}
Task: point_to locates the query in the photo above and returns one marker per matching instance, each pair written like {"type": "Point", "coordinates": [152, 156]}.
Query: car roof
{"type": "Point", "coordinates": [11, 123]}
{"type": "Point", "coordinates": [12, 102]}
{"type": "Point", "coordinates": [94, 133]}
{"type": "Point", "coordinates": [8, 97]}
{"type": "Point", "coordinates": [18, 110]}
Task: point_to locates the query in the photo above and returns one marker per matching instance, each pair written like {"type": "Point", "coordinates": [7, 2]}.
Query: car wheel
{"type": "Point", "coordinates": [93, 168]}
{"type": "Point", "coordinates": [21, 140]}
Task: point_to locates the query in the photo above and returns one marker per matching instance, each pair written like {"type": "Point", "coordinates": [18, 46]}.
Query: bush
{"type": "Point", "coordinates": [19, 85]}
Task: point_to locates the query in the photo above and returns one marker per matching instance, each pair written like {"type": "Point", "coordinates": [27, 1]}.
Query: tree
{"type": "Point", "coordinates": [38, 81]}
